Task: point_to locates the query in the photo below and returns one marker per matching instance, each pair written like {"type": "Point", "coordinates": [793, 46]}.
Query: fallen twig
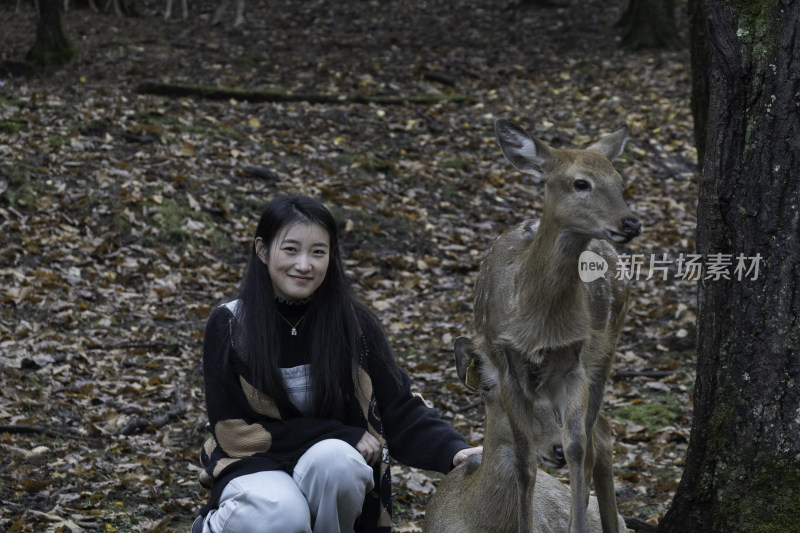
{"type": "Point", "coordinates": [252, 95]}
{"type": "Point", "coordinates": [441, 77]}
{"type": "Point", "coordinates": [156, 346]}
{"type": "Point", "coordinates": [137, 423]}
{"type": "Point", "coordinates": [467, 407]}
{"type": "Point", "coordinates": [260, 173]}
{"type": "Point", "coordinates": [27, 428]}
{"type": "Point", "coordinates": [637, 524]}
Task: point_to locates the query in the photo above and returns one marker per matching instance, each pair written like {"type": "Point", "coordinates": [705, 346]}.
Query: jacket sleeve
{"type": "Point", "coordinates": [246, 422]}
{"type": "Point", "coordinates": [416, 435]}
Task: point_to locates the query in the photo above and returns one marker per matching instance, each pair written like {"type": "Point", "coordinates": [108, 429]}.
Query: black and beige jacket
{"type": "Point", "coordinates": [252, 431]}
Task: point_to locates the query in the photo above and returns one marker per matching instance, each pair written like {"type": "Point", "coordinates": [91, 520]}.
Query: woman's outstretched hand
{"type": "Point", "coordinates": [462, 455]}
{"type": "Point", "coordinates": [370, 448]}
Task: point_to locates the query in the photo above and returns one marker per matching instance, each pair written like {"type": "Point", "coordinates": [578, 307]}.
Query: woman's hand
{"type": "Point", "coordinates": [462, 455]}
{"type": "Point", "coordinates": [370, 448]}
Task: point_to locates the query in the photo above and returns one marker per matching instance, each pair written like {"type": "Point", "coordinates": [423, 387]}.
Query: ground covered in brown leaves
{"type": "Point", "coordinates": [125, 218]}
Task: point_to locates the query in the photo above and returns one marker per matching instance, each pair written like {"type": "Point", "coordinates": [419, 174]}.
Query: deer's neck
{"type": "Point", "coordinates": [497, 466]}
{"type": "Point", "coordinates": [498, 455]}
{"type": "Point", "coordinates": [553, 300]}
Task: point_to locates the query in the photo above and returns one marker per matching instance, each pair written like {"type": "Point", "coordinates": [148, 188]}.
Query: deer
{"type": "Point", "coordinates": [551, 336]}
{"type": "Point", "coordinates": [480, 494]}
{"type": "Point", "coordinates": [218, 13]}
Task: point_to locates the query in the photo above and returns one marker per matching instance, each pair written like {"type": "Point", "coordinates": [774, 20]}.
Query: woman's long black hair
{"type": "Point", "coordinates": [334, 348]}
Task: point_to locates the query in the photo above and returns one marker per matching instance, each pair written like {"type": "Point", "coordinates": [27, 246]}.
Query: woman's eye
{"type": "Point", "coordinates": [582, 185]}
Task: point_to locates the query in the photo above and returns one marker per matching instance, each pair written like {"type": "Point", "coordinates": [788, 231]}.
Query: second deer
{"type": "Point", "coordinates": [480, 495]}
{"type": "Point", "coordinates": [552, 336]}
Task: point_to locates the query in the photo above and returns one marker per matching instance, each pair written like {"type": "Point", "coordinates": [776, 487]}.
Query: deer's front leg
{"type": "Point", "coordinates": [519, 409]}
{"type": "Point", "coordinates": [525, 467]}
{"type": "Point", "coordinates": [576, 399]}
{"type": "Point", "coordinates": [603, 474]}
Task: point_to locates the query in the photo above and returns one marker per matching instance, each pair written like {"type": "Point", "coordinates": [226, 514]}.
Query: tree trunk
{"type": "Point", "coordinates": [51, 50]}
{"type": "Point", "coordinates": [700, 64]}
{"type": "Point", "coordinates": [743, 464]}
{"type": "Point", "coordinates": [649, 24]}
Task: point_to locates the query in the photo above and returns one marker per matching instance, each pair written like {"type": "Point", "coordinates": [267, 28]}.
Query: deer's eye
{"type": "Point", "coordinates": [582, 185]}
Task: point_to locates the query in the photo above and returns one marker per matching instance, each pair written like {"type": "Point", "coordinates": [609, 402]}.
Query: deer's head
{"type": "Point", "coordinates": [583, 191]}
{"type": "Point", "coordinates": [477, 373]}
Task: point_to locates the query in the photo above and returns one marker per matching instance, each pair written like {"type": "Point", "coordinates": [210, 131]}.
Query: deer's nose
{"type": "Point", "coordinates": [631, 226]}
{"type": "Point", "coordinates": [558, 453]}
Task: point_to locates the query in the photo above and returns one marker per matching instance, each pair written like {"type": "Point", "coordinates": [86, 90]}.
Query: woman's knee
{"type": "Point", "coordinates": [280, 513]}
{"type": "Point", "coordinates": [337, 461]}
{"type": "Point", "coordinates": [251, 509]}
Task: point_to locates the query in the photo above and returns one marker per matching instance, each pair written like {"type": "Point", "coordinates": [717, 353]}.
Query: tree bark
{"type": "Point", "coordinates": [700, 64]}
{"type": "Point", "coordinates": [743, 464]}
{"type": "Point", "coordinates": [52, 49]}
{"type": "Point", "coordinates": [649, 24]}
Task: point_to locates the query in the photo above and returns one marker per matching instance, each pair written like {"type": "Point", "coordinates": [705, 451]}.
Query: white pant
{"type": "Point", "coordinates": [324, 494]}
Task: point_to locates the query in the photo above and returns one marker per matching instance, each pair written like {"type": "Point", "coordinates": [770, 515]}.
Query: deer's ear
{"type": "Point", "coordinates": [526, 153]}
{"type": "Point", "coordinates": [466, 364]}
{"type": "Point", "coordinates": [612, 144]}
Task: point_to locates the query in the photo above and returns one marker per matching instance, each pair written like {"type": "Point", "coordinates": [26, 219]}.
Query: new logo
{"type": "Point", "coordinates": [591, 266]}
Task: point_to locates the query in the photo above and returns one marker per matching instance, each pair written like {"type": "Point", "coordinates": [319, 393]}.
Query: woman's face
{"type": "Point", "coordinates": [297, 260]}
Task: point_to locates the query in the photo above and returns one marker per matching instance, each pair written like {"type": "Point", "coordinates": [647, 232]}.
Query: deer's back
{"type": "Point", "coordinates": [465, 502]}
{"type": "Point", "coordinates": [498, 285]}
{"type": "Point", "coordinates": [468, 501]}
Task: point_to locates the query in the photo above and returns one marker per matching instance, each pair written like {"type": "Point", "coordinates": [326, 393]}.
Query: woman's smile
{"type": "Point", "coordinates": [297, 260]}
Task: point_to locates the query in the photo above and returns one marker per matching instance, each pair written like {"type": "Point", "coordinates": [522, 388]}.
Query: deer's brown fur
{"type": "Point", "coordinates": [550, 335]}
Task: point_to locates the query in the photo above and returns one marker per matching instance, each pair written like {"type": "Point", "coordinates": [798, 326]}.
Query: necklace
{"type": "Point", "coordinates": [294, 327]}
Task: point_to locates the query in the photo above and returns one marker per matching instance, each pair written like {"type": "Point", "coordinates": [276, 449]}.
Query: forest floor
{"type": "Point", "coordinates": [126, 217]}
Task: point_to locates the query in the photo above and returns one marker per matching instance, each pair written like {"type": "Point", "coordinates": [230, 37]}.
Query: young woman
{"type": "Point", "coordinates": [304, 399]}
